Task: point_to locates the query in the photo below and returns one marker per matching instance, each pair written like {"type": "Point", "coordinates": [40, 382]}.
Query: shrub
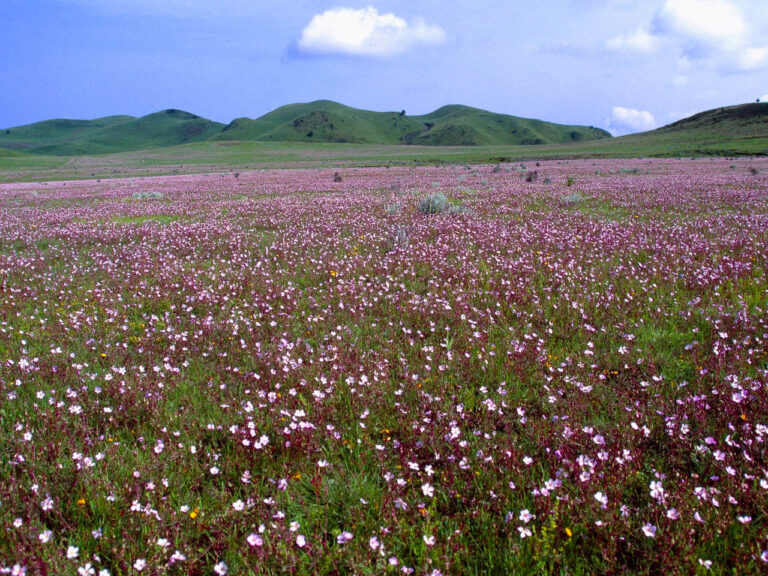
{"type": "Point", "coordinates": [147, 195]}
{"type": "Point", "coordinates": [398, 239]}
{"type": "Point", "coordinates": [435, 204]}
{"type": "Point", "coordinates": [572, 199]}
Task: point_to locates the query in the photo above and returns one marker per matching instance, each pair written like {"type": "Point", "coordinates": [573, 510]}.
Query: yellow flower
{"type": "Point", "coordinates": [333, 272]}
{"type": "Point", "coordinates": [568, 532]}
{"type": "Point", "coordinates": [81, 502]}
{"type": "Point", "coordinates": [194, 513]}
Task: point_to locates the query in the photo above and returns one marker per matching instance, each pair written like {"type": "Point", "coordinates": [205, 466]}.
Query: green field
{"type": "Point", "coordinates": [735, 131]}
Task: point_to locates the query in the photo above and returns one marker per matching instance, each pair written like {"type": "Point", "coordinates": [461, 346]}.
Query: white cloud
{"type": "Point", "coordinates": [702, 21]}
{"type": "Point", "coordinates": [627, 120]}
{"type": "Point", "coordinates": [639, 41]}
{"type": "Point", "coordinates": [713, 32]}
{"type": "Point", "coordinates": [764, 98]}
{"type": "Point", "coordinates": [364, 32]}
{"type": "Point", "coordinates": [752, 58]}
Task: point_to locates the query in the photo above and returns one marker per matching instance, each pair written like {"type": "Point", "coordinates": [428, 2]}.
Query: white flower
{"type": "Point", "coordinates": [526, 516]}
{"type": "Point", "coordinates": [673, 514]}
{"type": "Point", "coordinates": [429, 540]}
{"type": "Point", "coordinates": [524, 532]}
{"type": "Point", "coordinates": [87, 570]}
{"type": "Point", "coordinates": [140, 564]}
{"type": "Point", "coordinates": [214, 470]}
{"type": "Point", "coordinates": [221, 568]}
{"type": "Point", "coordinates": [47, 504]}
{"type": "Point", "coordinates": [238, 505]}
{"type": "Point", "coordinates": [428, 490]}
{"type": "Point", "coordinates": [45, 536]}
{"type": "Point", "coordinates": [104, 572]}
{"type": "Point", "coordinates": [706, 563]}
{"type": "Point", "coordinates": [374, 543]}
{"type": "Point", "coordinates": [177, 557]}
{"type": "Point", "coordinates": [254, 539]}
{"type": "Point", "coordinates": [602, 498]}
{"type": "Point", "coordinates": [657, 491]}
{"type": "Point", "coordinates": [745, 519]}
{"type": "Point", "coordinates": [301, 541]}
{"type": "Point", "coordinates": [163, 542]}
{"type": "Point", "coordinates": [649, 530]}
{"type": "Point", "coordinates": [598, 439]}
{"type": "Point", "coordinates": [72, 552]}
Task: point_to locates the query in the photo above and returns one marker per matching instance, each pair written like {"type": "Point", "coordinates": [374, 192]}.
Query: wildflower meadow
{"type": "Point", "coordinates": [405, 370]}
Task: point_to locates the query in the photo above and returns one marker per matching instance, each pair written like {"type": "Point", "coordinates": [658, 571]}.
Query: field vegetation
{"type": "Point", "coordinates": [428, 370]}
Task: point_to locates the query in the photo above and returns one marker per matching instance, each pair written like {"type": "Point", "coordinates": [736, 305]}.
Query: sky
{"type": "Point", "coordinates": [622, 65]}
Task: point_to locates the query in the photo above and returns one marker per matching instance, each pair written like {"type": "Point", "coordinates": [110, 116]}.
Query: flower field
{"type": "Point", "coordinates": [561, 369]}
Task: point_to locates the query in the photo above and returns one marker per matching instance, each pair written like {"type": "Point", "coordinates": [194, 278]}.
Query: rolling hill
{"type": "Point", "coordinates": [320, 121]}
{"type": "Point", "coordinates": [108, 135]}
{"type": "Point", "coordinates": [324, 126]}
{"type": "Point", "coordinates": [325, 121]}
{"type": "Point", "coordinates": [732, 130]}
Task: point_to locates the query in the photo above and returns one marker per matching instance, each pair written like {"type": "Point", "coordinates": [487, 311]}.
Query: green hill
{"type": "Point", "coordinates": [111, 134]}
{"type": "Point", "coordinates": [732, 130]}
{"type": "Point", "coordinates": [325, 121]}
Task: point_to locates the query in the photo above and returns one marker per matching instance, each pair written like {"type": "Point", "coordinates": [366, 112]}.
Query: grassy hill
{"type": "Point", "coordinates": [732, 130]}
{"type": "Point", "coordinates": [247, 143]}
{"type": "Point", "coordinates": [321, 121]}
{"type": "Point", "coordinates": [110, 134]}
{"type": "Point", "coordinates": [325, 121]}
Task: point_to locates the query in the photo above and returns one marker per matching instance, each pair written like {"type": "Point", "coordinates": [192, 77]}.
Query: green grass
{"type": "Point", "coordinates": [716, 133]}
{"type": "Point", "coordinates": [107, 135]}
{"type": "Point", "coordinates": [321, 121]}
{"type": "Point", "coordinates": [325, 121]}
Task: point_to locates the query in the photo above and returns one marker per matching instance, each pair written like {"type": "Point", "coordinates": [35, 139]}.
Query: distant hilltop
{"type": "Point", "coordinates": [741, 129]}
{"type": "Point", "coordinates": [320, 121]}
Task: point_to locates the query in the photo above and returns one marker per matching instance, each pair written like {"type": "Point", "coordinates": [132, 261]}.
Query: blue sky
{"type": "Point", "coordinates": [624, 65]}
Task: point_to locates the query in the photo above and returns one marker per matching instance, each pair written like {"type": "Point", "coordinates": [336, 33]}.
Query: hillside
{"type": "Point", "coordinates": [323, 127]}
{"type": "Point", "coordinates": [325, 121]}
{"type": "Point", "coordinates": [108, 135]}
{"type": "Point", "coordinates": [322, 121]}
{"type": "Point", "coordinates": [732, 130]}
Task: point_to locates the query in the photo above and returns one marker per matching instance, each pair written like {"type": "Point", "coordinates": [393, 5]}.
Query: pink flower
{"type": "Point", "coordinates": [254, 539]}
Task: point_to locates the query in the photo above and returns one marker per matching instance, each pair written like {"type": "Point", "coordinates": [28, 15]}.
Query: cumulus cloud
{"type": "Point", "coordinates": [702, 21]}
{"type": "Point", "coordinates": [639, 41]}
{"type": "Point", "coordinates": [627, 120]}
{"type": "Point", "coordinates": [364, 32]}
{"type": "Point", "coordinates": [713, 31]}
{"type": "Point", "coordinates": [709, 32]}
